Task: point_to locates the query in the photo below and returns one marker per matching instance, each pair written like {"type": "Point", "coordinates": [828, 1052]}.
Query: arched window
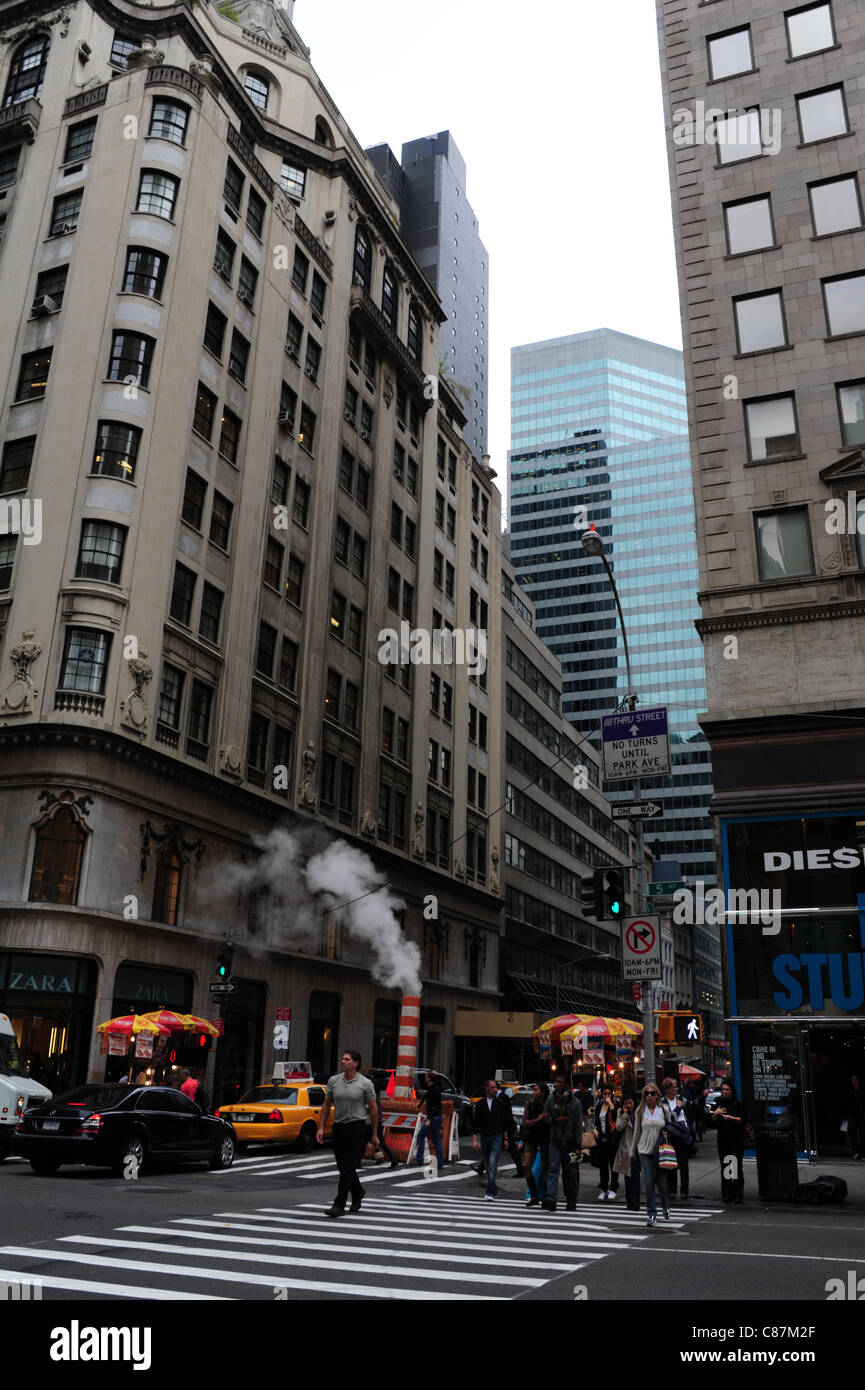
{"type": "Point", "coordinates": [413, 335]}
{"type": "Point", "coordinates": [389, 295]}
{"type": "Point", "coordinates": [28, 70]}
{"type": "Point", "coordinates": [166, 888]}
{"type": "Point", "coordinates": [257, 88]}
{"type": "Point", "coordinates": [323, 133]}
{"type": "Point", "coordinates": [362, 259]}
{"type": "Point", "coordinates": [57, 861]}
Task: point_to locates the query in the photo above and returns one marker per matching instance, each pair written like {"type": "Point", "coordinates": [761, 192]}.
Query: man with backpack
{"type": "Point", "coordinates": [195, 1090]}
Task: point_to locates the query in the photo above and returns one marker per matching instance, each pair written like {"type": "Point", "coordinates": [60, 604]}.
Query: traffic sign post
{"type": "Point", "coordinates": [666, 890]}
{"type": "Point", "coordinates": [638, 810]}
{"type": "Point", "coordinates": [635, 744]}
{"type": "Point", "coordinates": [641, 948]}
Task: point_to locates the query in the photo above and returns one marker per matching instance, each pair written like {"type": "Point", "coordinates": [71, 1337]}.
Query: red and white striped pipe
{"type": "Point", "coordinates": [406, 1050]}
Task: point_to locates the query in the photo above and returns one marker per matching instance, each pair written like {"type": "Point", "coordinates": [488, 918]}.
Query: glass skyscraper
{"type": "Point", "coordinates": [599, 421]}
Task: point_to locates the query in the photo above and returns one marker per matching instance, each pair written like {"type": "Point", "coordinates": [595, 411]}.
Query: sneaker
{"type": "Point", "coordinates": [489, 1196]}
{"type": "Point", "coordinates": [602, 1196]}
{"type": "Point", "coordinates": [612, 1195]}
{"type": "Point", "coordinates": [666, 1214]}
{"type": "Point", "coordinates": [533, 1202]}
{"type": "Point", "coordinates": [651, 1221]}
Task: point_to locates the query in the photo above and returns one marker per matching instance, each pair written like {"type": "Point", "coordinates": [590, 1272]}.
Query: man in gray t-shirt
{"type": "Point", "coordinates": [352, 1097]}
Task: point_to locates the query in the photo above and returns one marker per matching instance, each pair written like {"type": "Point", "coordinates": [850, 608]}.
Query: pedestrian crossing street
{"type": "Point", "coordinates": [442, 1245]}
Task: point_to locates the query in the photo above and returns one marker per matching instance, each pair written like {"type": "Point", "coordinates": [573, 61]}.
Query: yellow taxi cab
{"type": "Point", "coordinates": [509, 1087]}
{"type": "Point", "coordinates": [278, 1113]}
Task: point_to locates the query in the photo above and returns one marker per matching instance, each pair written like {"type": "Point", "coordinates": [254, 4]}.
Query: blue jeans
{"type": "Point", "coordinates": [491, 1149]}
{"type": "Point", "coordinates": [653, 1174]}
{"type": "Point", "coordinates": [433, 1128]}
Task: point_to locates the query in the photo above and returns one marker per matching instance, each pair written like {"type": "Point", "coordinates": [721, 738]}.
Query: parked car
{"type": "Point", "coordinates": [17, 1089]}
{"type": "Point", "coordinates": [113, 1126]}
{"type": "Point", "coordinates": [519, 1100]}
{"type": "Point", "coordinates": [462, 1105]}
{"type": "Point", "coordinates": [278, 1114]}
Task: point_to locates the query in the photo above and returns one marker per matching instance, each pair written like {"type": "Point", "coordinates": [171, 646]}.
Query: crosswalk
{"type": "Point", "coordinates": [322, 1165]}
{"type": "Point", "coordinates": [442, 1245]}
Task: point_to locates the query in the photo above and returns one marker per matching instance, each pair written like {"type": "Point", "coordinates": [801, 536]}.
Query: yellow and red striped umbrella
{"type": "Point", "coordinates": [130, 1025]}
{"type": "Point", "coordinates": [172, 1022]}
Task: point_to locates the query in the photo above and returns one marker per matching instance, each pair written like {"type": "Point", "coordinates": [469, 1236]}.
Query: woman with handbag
{"type": "Point", "coordinates": [730, 1121]}
{"type": "Point", "coordinates": [650, 1122]}
{"type": "Point", "coordinates": [626, 1161]}
{"type": "Point", "coordinates": [535, 1136]}
{"type": "Point", "coordinates": [604, 1130]}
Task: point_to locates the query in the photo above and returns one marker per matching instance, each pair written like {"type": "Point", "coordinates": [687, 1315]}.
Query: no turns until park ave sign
{"type": "Point", "coordinates": [635, 744]}
{"type": "Point", "coordinates": [641, 948]}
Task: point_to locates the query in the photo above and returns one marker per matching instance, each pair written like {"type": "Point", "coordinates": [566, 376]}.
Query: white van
{"type": "Point", "coordinates": [17, 1089]}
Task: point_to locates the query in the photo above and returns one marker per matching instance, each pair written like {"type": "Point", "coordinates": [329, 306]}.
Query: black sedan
{"type": "Point", "coordinates": [121, 1128]}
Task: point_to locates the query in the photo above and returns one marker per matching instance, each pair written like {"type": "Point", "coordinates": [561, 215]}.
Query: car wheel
{"type": "Point", "coordinates": [306, 1138]}
{"type": "Point", "coordinates": [223, 1154]}
{"type": "Point", "coordinates": [44, 1167]}
{"type": "Point", "coordinates": [136, 1150]}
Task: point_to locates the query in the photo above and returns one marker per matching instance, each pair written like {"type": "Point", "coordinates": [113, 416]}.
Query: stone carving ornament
{"type": "Point", "coordinates": [494, 869]}
{"type": "Point", "coordinates": [173, 831]}
{"type": "Point", "coordinates": [418, 844]}
{"type": "Point", "coordinates": [367, 824]}
{"type": "Point", "coordinates": [134, 707]}
{"type": "Point", "coordinates": [19, 693]}
{"type": "Point", "coordinates": [306, 790]}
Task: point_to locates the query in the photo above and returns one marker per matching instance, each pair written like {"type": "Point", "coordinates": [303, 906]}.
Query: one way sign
{"type": "Point", "coordinates": [637, 810]}
{"type": "Point", "coordinates": [641, 948]}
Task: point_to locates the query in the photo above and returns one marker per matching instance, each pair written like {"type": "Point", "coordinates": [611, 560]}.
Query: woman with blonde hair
{"type": "Point", "coordinates": [652, 1118]}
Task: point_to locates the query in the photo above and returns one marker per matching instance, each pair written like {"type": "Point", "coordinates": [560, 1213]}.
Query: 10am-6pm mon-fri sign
{"type": "Point", "coordinates": [635, 744]}
{"type": "Point", "coordinates": [641, 948]}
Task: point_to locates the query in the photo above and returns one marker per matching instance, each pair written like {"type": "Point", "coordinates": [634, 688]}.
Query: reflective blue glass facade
{"type": "Point", "coordinates": [599, 420]}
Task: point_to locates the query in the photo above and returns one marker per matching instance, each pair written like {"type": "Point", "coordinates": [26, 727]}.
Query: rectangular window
{"type": "Point", "coordinates": [407, 599]}
{"type": "Point", "coordinates": [346, 472]}
{"type": "Point", "coordinates": [116, 451]}
{"type": "Point", "coordinates": [363, 487]}
{"type": "Point", "coordinates": [8, 546]}
{"type": "Point", "coordinates": [182, 594]}
{"type": "Point", "coordinates": [157, 193]}
{"type": "Point", "coordinates": [17, 460]}
{"type": "Point", "coordinates": [343, 536]}
{"type": "Point", "coordinates": [266, 650]}
{"type": "Point", "coordinates": [288, 665]}
{"type": "Point", "coordinates": [333, 695]}
{"type": "Point", "coordinates": [220, 520]}
{"type": "Point", "coordinates": [485, 556]}
{"type": "Point", "coordinates": [473, 724]}
{"type": "Point", "coordinates": [194, 493]}
{"type": "Point", "coordinates": [9, 166]}
{"type": "Point", "coordinates": [246, 282]}
{"type": "Point", "coordinates": [836, 205]}
{"type": "Point", "coordinates": [259, 731]}
{"type": "Point", "coordinates": [214, 330]}
{"type": "Point", "coordinates": [293, 337]}
{"type": "Point", "coordinates": [730, 53]}
{"type": "Point", "coordinates": [784, 544]}
{"type": "Point", "coordinates": [346, 791]}
{"type": "Point", "coordinates": [198, 719]}
{"type": "Point", "coordinates": [168, 120]}
{"type": "Point", "coordinates": [822, 114]}
{"type": "Point", "coordinates": [238, 357]}
{"type": "Point", "coordinates": [85, 660]}
{"type": "Point", "coordinates": [447, 702]}
{"type": "Point", "coordinates": [232, 190]}
{"type": "Point", "coordinates": [388, 724]}
{"type": "Point", "coordinates": [482, 730]}
{"type": "Point", "coordinates": [170, 695]}
{"type": "Point", "coordinates": [482, 792]}
{"type": "Point", "coordinates": [449, 579]}
{"type": "Point", "coordinates": [255, 208]}
{"type": "Point", "coordinates": [771, 428]}
{"type": "Point", "coordinates": [337, 616]}
{"type": "Point", "coordinates": [317, 294]}
{"type": "Point", "coordinates": [411, 477]}
{"type": "Point", "coordinates": [485, 512]}
{"type": "Point", "coordinates": [393, 587]}
{"type": "Point", "coordinates": [432, 761]}
{"type": "Point", "coordinates": [209, 616]}
{"type": "Point", "coordinates": [33, 375]}
{"type": "Point", "coordinates": [306, 433]}
{"type": "Point", "coordinates": [845, 303]}
{"type": "Point", "coordinates": [399, 463]}
{"type": "Point", "coordinates": [300, 505]}
{"type": "Point", "coordinates": [229, 436]}
{"type": "Point", "coordinates": [100, 552]}
{"type": "Point", "coordinates": [451, 524]}
{"type": "Point", "coordinates": [471, 786]}
{"type": "Point", "coordinates": [313, 359]}
{"type": "Point", "coordinates": [366, 421]}
{"type": "Point", "coordinates": [292, 179]}
{"type": "Point", "coordinates": [223, 260]}
{"type": "Point", "coordinates": [294, 582]}
{"type": "Point", "coordinates": [287, 407]}
{"type": "Point", "coordinates": [810, 30]}
{"type": "Point", "coordinates": [65, 212]}
{"type": "Point", "coordinates": [300, 270]}
{"type": "Point", "coordinates": [396, 519]}
{"type": "Point", "coordinates": [369, 366]}
{"type": "Point", "coordinates": [438, 568]}
{"type": "Point", "coordinates": [402, 734]}
{"type": "Point", "coordinates": [440, 511]}
{"type": "Point", "coordinates": [739, 136]}
{"type": "Point", "coordinates": [760, 321]}
{"type": "Point", "coordinates": [144, 272]}
{"type": "Point", "coordinates": [273, 556]}
{"type": "Point", "coordinates": [131, 357]}
{"type": "Point", "coordinates": [350, 406]}
{"type": "Point", "coordinates": [204, 413]}
{"type": "Point", "coordinates": [410, 538]}
{"type": "Point", "coordinates": [279, 484]}
{"type": "Point", "coordinates": [749, 225]}
{"type": "Point", "coordinates": [355, 629]}
{"type": "Point", "coordinates": [79, 141]}
{"type": "Point", "coordinates": [851, 407]}
{"type": "Point", "coordinates": [358, 556]}
{"type": "Point", "coordinates": [282, 741]}
{"type": "Point", "coordinates": [445, 768]}
{"type": "Point", "coordinates": [120, 50]}
{"type": "Point", "coordinates": [351, 706]}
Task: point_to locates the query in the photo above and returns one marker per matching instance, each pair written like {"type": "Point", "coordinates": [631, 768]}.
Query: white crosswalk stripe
{"type": "Point", "coordinates": [440, 1244]}
{"type": "Point", "coordinates": [320, 1166]}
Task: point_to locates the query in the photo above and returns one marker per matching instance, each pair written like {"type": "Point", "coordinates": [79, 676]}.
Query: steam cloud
{"type": "Point", "coordinates": [306, 877]}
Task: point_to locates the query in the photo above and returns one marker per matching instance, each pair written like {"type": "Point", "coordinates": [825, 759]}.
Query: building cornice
{"type": "Point", "coordinates": [779, 617]}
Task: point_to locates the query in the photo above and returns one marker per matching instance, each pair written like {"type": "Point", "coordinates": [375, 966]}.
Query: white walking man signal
{"type": "Point", "coordinates": [692, 1028]}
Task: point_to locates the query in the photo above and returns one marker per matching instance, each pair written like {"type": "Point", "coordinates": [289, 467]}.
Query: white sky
{"type": "Point", "coordinates": [556, 109]}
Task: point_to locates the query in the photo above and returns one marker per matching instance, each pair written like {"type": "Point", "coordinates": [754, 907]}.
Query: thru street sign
{"type": "Point", "coordinates": [641, 948]}
{"type": "Point", "coordinates": [635, 744]}
{"type": "Point", "coordinates": [637, 810]}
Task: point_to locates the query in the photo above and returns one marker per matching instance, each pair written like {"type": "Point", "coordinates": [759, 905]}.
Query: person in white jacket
{"type": "Point", "coordinates": [652, 1118]}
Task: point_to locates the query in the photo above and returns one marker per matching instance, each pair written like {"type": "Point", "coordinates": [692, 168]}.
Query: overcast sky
{"type": "Point", "coordinates": [556, 108]}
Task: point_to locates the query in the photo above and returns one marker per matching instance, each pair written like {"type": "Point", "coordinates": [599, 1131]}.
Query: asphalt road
{"type": "Point", "coordinates": [258, 1232]}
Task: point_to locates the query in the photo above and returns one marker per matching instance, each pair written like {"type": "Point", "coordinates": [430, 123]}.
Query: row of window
{"type": "Point", "coordinates": [362, 275]}
{"type": "Point", "coordinates": [810, 29]}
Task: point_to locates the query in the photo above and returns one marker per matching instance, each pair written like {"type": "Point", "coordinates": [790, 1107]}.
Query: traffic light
{"type": "Point", "coordinates": [613, 904]}
{"type": "Point", "coordinates": [688, 1028]}
{"type": "Point", "coordinates": [588, 901]}
{"type": "Point", "coordinates": [223, 961]}
{"type": "Point", "coordinates": [663, 1029]}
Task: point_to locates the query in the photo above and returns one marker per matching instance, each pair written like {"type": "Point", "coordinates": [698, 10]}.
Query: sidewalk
{"type": "Point", "coordinates": [705, 1181]}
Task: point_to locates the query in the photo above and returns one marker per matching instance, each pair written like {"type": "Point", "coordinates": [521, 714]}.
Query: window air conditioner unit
{"type": "Point", "coordinates": [245, 298]}
{"type": "Point", "coordinates": [310, 372]}
{"type": "Point", "coordinates": [286, 419]}
{"type": "Point", "coordinates": [60, 229]}
{"type": "Point", "coordinates": [347, 415]}
{"type": "Point", "coordinates": [366, 436]}
{"type": "Point", "coordinates": [43, 304]}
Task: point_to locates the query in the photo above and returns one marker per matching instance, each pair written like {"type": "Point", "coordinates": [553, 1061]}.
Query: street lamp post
{"type": "Point", "coordinates": [593, 544]}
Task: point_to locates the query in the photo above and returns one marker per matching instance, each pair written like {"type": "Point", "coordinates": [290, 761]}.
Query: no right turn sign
{"type": "Point", "coordinates": [641, 948]}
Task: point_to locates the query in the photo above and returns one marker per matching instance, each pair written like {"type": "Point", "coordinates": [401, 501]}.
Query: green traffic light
{"type": "Point", "coordinates": [615, 908]}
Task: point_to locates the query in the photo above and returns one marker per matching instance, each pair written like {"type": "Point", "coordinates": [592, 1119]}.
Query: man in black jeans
{"type": "Point", "coordinates": [354, 1111]}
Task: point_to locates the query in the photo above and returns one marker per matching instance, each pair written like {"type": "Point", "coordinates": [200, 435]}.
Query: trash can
{"type": "Point", "coordinates": [777, 1166]}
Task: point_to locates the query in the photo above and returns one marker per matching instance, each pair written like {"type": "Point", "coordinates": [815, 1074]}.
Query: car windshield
{"type": "Point", "coordinates": [285, 1095]}
{"type": "Point", "coordinates": [10, 1058]}
{"type": "Point", "coordinates": [97, 1097]}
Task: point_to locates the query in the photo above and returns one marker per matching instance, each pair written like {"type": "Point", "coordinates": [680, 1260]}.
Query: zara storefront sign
{"type": "Point", "coordinates": [40, 984]}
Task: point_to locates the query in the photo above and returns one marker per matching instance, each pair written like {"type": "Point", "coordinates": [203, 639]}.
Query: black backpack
{"type": "Point", "coordinates": [202, 1098]}
{"type": "Point", "coordinates": [825, 1190]}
